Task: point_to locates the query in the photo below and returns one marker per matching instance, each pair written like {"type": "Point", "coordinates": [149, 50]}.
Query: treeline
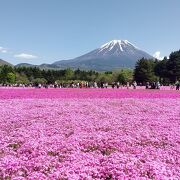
{"type": "Point", "coordinates": [146, 70]}
{"type": "Point", "coordinates": [166, 71]}
{"type": "Point", "coordinates": [34, 75]}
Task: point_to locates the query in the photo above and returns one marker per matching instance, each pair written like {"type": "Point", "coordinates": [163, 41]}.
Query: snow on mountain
{"type": "Point", "coordinates": [119, 43]}
{"type": "Point", "coordinates": [115, 54]}
{"type": "Point", "coordinates": [112, 55]}
{"type": "Point", "coordinates": [116, 47]}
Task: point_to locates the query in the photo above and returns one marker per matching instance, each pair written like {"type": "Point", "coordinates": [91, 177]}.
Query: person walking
{"type": "Point", "coordinates": [177, 85]}
{"type": "Point", "coordinates": [134, 84]}
{"type": "Point", "coordinates": [118, 85]}
{"type": "Point", "coordinates": [113, 85]}
{"type": "Point", "coordinates": [147, 85]}
{"type": "Point", "coordinates": [127, 85]}
{"type": "Point", "coordinates": [95, 84]}
{"type": "Point", "coordinates": [158, 85]}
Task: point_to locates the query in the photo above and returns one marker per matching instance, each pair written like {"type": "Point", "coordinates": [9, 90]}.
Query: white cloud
{"type": "Point", "coordinates": [157, 55]}
{"type": "Point", "coordinates": [25, 56]}
{"type": "Point", "coordinates": [3, 50]}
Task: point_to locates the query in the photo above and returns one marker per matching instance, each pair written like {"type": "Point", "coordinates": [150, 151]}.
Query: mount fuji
{"type": "Point", "coordinates": [112, 55]}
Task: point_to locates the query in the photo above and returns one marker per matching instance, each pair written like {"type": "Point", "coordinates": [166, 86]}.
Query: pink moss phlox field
{"type": "Point", "coordinates": [20, 93]}
{"type": "Point", "coordinates": [56, 134]}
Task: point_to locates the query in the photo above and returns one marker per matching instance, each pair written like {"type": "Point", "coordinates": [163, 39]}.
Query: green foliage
{"type": "Point", "coordinates": [7, 74]}
{"type": "Point", "coordinates": [22, 79]}
{"type": "Point", "coordinates": [169, 69]}
{"type": "Point", "coordinates": [161, 70]}
{"type": "Point", "coordinates": [104, 78]}
{"type": "Point", "coordinates": [39, 81]}
{"type": "Point", "coordinates": [11, 77]}
{"type": "Point", "coordinates": [125, 75]}
{"type": "Point", "coordinates": [173, 66]}
{"type": "Point", "coordinates": [144, 71]}
{"type": "Point", "coordinates": [69, 74]}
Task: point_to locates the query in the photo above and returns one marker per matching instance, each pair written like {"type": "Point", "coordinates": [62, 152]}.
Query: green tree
{"type": "Point", "coordinates": [11, 77]}
{"type": "Point", "coordinates": [39, 81]}
{"type": "Point", "coordinates": [173, 66]}
{"type": "Point", "coordinates": [125, 75]}
{"type": "Point", "coordinates": [22, 79]}
{"type": "Point", "coordinates": [161, 70]}
{"type": "Point", "coordinates": [144, 71]}
{"type": "Point", "coordinates": [103, 77]}
{"type": "Point", "coordinates": [5, 70]}
{"type": "Point", "coordinates": [68, 74]}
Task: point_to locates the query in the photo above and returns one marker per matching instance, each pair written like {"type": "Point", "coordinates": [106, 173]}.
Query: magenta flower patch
{"type": "Point", "coordinates": [89, 134]}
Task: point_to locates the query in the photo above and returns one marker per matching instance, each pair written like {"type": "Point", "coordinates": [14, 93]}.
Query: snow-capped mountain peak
{"type": "Point", "coordinates": [121, 44]}
{"type": "Point", "coordinates": [112, 55]}
{"type": "Point", "coordinates": [115, 48]}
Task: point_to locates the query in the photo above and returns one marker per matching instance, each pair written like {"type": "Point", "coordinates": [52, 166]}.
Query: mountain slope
{"type": "Point", "coordinates": [112, 55]}
{"type": "Point", "coordinates": [2, 62]}
{"type": "Point", "coordinates": [41, 66]}
{"type": "Point", "coordinates": [25, 65]}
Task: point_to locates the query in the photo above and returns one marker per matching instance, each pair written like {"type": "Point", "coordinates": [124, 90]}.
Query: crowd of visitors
{"type": "Point", "coordinates": [153, 85]}
{"type": "Point", "coordinates": [133, 85]}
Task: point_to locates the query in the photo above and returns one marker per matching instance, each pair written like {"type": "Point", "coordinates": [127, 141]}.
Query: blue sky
{"type": "Point", "coordinates": [44, 31]}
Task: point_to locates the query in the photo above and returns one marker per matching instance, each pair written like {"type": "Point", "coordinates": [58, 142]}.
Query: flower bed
{"type": "Point", "coordinates": [84, 134]}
